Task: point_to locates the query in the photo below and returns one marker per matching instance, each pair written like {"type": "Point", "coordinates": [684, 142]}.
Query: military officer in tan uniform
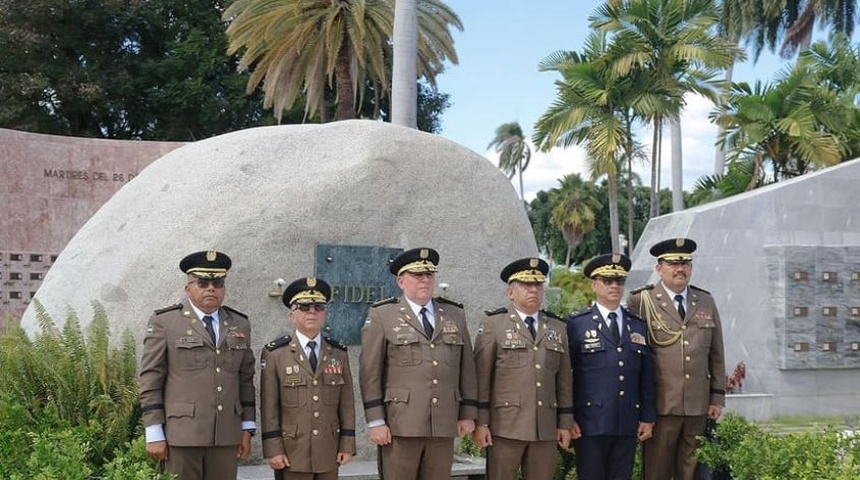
{"type": "Point", "coordinates": [416, 373]}
{"type": "Point", "coordinates": [197, 378]}
{"type": "Point", "coordinates": [525, 396]}
{"type": "Point", "coordinates": [687, 340]}
{"type": "Point", "coordinates": [306, 396]}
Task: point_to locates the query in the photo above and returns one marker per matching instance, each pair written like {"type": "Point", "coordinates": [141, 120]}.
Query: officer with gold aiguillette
{"type": "Point", "coordinates": [687, 340]}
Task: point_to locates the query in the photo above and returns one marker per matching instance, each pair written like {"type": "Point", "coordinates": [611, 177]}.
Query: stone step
{"type": "Point", "coordinates": [365, 470]}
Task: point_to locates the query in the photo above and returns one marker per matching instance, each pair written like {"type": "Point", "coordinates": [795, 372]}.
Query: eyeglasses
{"type": "Point", "coordinates": [205, 282]}
{"type": "Point", "coordinates": [610, 280]}
{"type": "Point", "coordinates": [306, 307]}
{"type": "Point", "coordinates": [680, 263]}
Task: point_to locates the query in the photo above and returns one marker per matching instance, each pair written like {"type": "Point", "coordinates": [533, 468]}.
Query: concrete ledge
{"type": "Point", "coordinates": [461, 470]}
{"type": "Point", "coordinates": [755, 407]}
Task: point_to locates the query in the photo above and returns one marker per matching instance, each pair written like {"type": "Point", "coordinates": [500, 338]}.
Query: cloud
{"type": "Point", "coordinates": [546, 169]}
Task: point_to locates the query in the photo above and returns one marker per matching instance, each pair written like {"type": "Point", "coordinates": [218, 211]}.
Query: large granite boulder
{"type": "Point", "coordinates": [267, 197]}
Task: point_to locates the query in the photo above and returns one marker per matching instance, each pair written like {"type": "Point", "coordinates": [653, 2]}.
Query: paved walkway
{"type": "Point", "coordinates": [363, 471]}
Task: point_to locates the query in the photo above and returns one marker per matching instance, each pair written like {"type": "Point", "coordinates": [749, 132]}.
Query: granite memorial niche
{"type": "Point", "coordinates": [359, 277]}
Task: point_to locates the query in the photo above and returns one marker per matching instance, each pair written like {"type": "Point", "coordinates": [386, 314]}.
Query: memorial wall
{"type": "Point", "coordinates": [51, 186]}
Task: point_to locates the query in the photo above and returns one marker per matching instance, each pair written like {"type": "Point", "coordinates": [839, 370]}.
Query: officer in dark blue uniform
{"type": "Point", "coordinates": [613, 376]}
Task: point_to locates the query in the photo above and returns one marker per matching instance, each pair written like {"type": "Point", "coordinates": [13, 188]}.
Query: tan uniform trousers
{"type": "Point", "coordinates": [669, 454]}
{"type": "Point", "coordinates": [286, 474]}
{"type": "Point", "coordinates": [416, 458]}
{"type": "Point", "coordinates": [505, 456]}
{"type": "Point", "coordinates": [203, 463]}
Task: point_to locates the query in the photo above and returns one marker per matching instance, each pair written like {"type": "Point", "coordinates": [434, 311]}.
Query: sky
{"type": "Point", "coordinates": [497, 81]}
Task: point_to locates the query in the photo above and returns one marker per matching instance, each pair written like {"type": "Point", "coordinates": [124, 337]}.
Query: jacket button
{"type": "Point", "coordinates": [315, 432]}
{"type": "Point", "coordinates": [316, 414]}
{"type": "Point", "coordinates": [687, 358]}
{"type": "Point", "coordinates": [435, 381]}
{"type": "Point", "coordinates": [220, 408]}
{"type": "Point", "coordinates": [540, 403]}
{"type": "Point", "coordinates": [219, 388]}
{"type": "Point", "coordinates": [687, 376]}
{"type": "Point", "coordinates": [316, 398]}
{"type": "Point", "coordinates": [537, 366]}
{"type": "Point", "coordinates": [217, 369]}
{"type": "Point", "coordinates": [619, 349]}
{"type": "Point", "coordinates": [435, 400]}
{"type": "Point", "coordinates": [621, 393]}
{"type": "Point", "coordinates": [435, 362]}
{"type": "Point", "coordinates": [315, 381]}
{"type": "Point", "coordinates": [538, 384]}
{"type": "Point", "coordinates": [432, 345]}
{"type": "Point", "coordinates": [621, 378]}
{"type": "Point", "coordinates": [217, 351]}
{"type": "Point", "coordinates": [621, 363]}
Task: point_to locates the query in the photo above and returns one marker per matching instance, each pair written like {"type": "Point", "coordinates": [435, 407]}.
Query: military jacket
{"type": "Point", "coordinates": [524, 384]}
{"type": "Point", "coordinates": [613, 383]}
{"type": "Point", "coordinates": [307, 415]}
{"type": "Point", "coordinates": [419, 386]}
{"type": "Point", "coordinates": [201, 392]}
{"type": "Point", "coordinates": [688, 352]}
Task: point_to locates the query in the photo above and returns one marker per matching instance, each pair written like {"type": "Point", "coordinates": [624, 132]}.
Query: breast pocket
{"type": "Point", "coordinates": [191, 354]}
{"type": "Point", "coordinates": [553, 353]}
{"type": "Point", "coordinates": [513, 354]}
{"type": "Point", "coordinates": [453, 348]}
{"type": "Point", "coordinates": [706, 332]}
{"type": "Point", "coordinates": [406, 349]}
{"type": "Point", "coordinates": [592, 356]}
{"type": "Point", "coordinates": [294, 390]}
{"type": "Point", "coordinates": [331, 391]}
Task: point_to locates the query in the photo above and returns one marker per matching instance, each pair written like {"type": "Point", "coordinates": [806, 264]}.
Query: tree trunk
{"type": "Point", "coordinates": [654, 148]}
{"type": "Point", "coordinates": [629, 148]}
{"type": "Point", "coordinates": [404, 91]}
{"type": "Point", "coordinates": [720, 154]}
{"type": "Point", "coordinates": [677, 166]}
{"type": "Point", "coordinates": [345, 91]}
{"type": "Point", "coordinates": [614, 231]}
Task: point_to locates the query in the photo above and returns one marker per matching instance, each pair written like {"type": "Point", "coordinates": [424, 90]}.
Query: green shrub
{"type": "Point", "coordinates": [751, 453]}
{"type": "Point", "coordinates": [65, 394]}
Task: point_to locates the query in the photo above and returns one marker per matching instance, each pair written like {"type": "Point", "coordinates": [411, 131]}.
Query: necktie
{"type": "Point", "coordinates": [312, 357]}
{"type": "Point", "coordinates": [428, 329]}
{"type": "Point", "coordinates": [207, 319]}
{"type": "Point", "coordinates": [613, 327]}
{"type": "Point", "coordinates": [681, 311]}
{"type": "Point", "coordinates": [530, 322]}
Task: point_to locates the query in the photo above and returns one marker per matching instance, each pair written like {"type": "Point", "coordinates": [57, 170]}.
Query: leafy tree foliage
{"type": "Point", "coordinates": [151, 70]}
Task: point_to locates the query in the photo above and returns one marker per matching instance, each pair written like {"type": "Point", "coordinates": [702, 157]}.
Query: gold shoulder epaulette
{"type": "Point", "coordinates": [642, 289]}
{"type": "Point", "coordinates": [449, 301]}
{"type": "Point", "coordinates": [497, 311]}
{"type": "Point", "coordinates": [175, 306]}
{"type": "Point", "coordinates": [278, 343]}
{"type": "Point", "coordinates": [233, 310]}
{"type": "Point", "coordinates": [384, 302]}
{"type": "Point", "coordinates": [334, 343]}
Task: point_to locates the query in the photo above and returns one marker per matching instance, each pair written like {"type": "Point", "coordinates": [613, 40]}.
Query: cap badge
{"type": "Point", "coordinates": [533, 262]}
{"type": "Point", "coordinates": [679, 242]}
{"type": "Point", "coordinates": [616, 258]}
{"type": "Point", "coordinates": [211, 255]}
{"type": "Point", "coordinates": [312, 282]}
{"type": "Point", "coordinates": [424, 253]}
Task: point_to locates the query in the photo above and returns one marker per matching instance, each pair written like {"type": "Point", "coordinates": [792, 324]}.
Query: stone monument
{"type": "Point", "coordinates": [290, 201]}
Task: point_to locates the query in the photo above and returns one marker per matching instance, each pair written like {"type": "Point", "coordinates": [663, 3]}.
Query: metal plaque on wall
{"type": "Point", "coordinates": [359, 277]}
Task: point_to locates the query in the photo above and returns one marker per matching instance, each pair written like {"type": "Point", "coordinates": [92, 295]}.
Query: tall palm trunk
{"type": "Point", "coordinates": [629, 149]}
{"type": "Point", "coordinates": [614, 231]}
{"type": "Point", "coordinates": [655, 148]}
{"type": "Point", "coordinates": [677, 166]}
{"type": "Point", "coordinates": [720, 155]}
{"type": "Point", "coordinates": [404, 91]}
{"type": "Point", "coordinates": [345, 91]}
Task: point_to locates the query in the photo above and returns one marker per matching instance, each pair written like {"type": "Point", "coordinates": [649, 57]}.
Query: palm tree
{"type": "Point", "coordinates": [795, 125]}
{"type": "Point", "coordinates": [404, 89]}
{"type": "Point", "coordinates": [304, 46]}
{"type": "Point", "coordinates": [573, 213]}
{"type": "Point", "coordinates": [596, 108]}
{"type": "Point", "coordinates": [513, 149]}
{"type": "Point", "coordinates": [672, 40]}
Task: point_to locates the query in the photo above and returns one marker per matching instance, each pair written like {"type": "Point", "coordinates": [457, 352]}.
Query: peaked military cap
{"type": "Point", "coordinates": [607, 265]}
{"type": "Point", "coordinates": [307, 290]}
{"type": "Point", "coordinates": [206, 264]}
{"type": "Point", "coordinates": [417, 260]}
{"type": "Point", "coordinates": [674, 250]}
{"type": "Point", "coordinates": [526, 270]}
